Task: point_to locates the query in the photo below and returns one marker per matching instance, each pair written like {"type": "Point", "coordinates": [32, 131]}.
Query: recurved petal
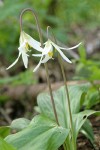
{"type": "Point", "coordinates": [71, 47]}
{"type": "Point", "coordinates": [48, 47]}
{"type": "Point", "coordinates": [46, 58]}
{"type": "Point", "coordinates": [35, 69]}
{"type": "Point", "coordinates": [32, 42]}
{"type": "Point", "coordinates": [22, 47]}
{"type": "Point", "coordinates": [25, 59]}
{"type": "Point", "coordinates": [14, 62]}
{"type": "Point", "coordinates": [21, 39]}
{"type": "Point", "coordinates": [37, 55]}
{"type": "Point", "coordinates": [61, 53]}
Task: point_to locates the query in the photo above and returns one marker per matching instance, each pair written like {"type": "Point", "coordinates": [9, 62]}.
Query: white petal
{"type": "Point", "coordinates": [32, 42]}
{"type": "Point", "coordinates": [71, 47]}
{"type": "Point", "coordinates": [14, 62]}
{"type": "Point", "coordinates": [37, 55]}
{"type": "Point", "coordinates": [21, 48]}
{"type": "Point", "coordinates": [48, 47]}
{"type": "Point", "coordinates": [21, 39]}
{"type": "Point", "coordinates": [25, 59]}
{"type": "Point", "coordinates": [22, 44]}
{"type": "Point", "coordinates": [61, 53]}
{"type": "Point", "coordinates": [38, 65]}
{"type": "Point", "coordinates": [46, 58]}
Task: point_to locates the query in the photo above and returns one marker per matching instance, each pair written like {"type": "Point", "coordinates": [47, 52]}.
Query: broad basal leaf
{"type": "Point", "coordinates": [79, 120]}
{"type": "Point", "coordinates": [88, 131]}
{"type": "Point", "coordinates": [41, 134]}
{"type": "Point", "coordinates": [76, 94]}
{"type": "Point", "coordinates": [19, 124]}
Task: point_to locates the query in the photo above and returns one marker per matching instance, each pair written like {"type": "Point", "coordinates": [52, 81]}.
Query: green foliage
{"type": "Point", "coordinates": [5, 146]}
{"type": "Point", "coordinates": [87, 131]}
{"type": "Point", "coordinates": [79, 118]}
{"type": "Point", "coordinates": [63, 15]}
{"type": "Point", "coordinates": [41, 134]}
{"type": "Point", "coordinates": [92, 98]}
{"type": "Point", "coordinates": [87, 69]}
{"type": "Point", "coordinates": [9, 26]}
{"type": "Point", "coordinates": [76, 101]}
{"type": "Point", "coordinates": [11, 8]}
{"type": "Point", "coordinates": [24, 78]}
{"type": "Point", "coordinates": [19, 124]}
{"type": "Point", "coordinates": [4, 131]}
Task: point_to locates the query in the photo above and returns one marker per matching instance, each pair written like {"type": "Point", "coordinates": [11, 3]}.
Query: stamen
{"type": "Point", "coordinates": [50, 54]}
{"type": "Point", "coordinates": [27, 46]}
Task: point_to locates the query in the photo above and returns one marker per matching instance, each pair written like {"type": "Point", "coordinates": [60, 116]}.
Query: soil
{"type": "Point", "coordinates": [84, 143]}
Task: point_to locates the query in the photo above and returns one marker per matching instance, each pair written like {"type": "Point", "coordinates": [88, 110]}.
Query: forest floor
{"type": "Point", "coordinates": [20, 103]}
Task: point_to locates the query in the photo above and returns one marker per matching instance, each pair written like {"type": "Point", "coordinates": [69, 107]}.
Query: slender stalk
{"type": "Point", "coordinates": [67, 146]}
{"type": "Point", "coordinates": [46, 66]}
{"type": "Point", "coordinates": [53, 103]}
{"type": "Point", "coordinates": [37, 22]}
{"type": "Point", "coordinates": [64, 146]}
{"type": "Point", "coordinates": [68, 101]}
{"type": "Point", "coordinates": [67, 93]}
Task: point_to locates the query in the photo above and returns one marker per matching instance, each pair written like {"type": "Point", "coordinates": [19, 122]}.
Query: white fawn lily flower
{"type": "Point", "coordinates": [26, 41]}
{"type": "Point", "coordinates": [47, 53]}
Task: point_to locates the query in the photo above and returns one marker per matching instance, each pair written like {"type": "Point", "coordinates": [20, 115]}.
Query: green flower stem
{"type": "Point", "coordinates": [64, 146]}
{"type": "Point", "coordinates": [67, 146]}
{"type": "Point", "coordinates": [67, 142]}
{"type": "Point", "coordinates": [46, 66]}
{"type": "Point", "coordinates": [37, 22]}
{"type": "Point", "coordinates": [67, 93]}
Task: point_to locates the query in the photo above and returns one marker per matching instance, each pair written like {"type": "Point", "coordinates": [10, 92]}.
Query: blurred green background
{"type": "Point", "coordinates": [63, 15]}
{"type": "Point", "coordinates": [72, 21]}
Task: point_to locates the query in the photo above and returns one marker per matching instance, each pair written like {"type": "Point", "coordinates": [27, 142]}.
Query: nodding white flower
{"type": "Point", "coordinates": [26, 41]}
{"type": "Point", "coordinates": [47, 53]}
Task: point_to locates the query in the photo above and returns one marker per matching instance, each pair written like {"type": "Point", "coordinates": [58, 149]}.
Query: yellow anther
{"type": "Point", "coordinates": [27, 45]}
{"type": "Point", "coordinates": [50, 54]}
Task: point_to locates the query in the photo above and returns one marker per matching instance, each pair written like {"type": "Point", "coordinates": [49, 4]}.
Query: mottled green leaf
{"type": "Point", "coordinates": [79, 120]}
{"type": "Point", "coordinates": [41, 134]}
{"type": "Point", "coordinates": [76, 94]}
{"type": "Point", "coordinates": [19, 124]}
{"type": "Point", "coordinates": [88, 131]}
